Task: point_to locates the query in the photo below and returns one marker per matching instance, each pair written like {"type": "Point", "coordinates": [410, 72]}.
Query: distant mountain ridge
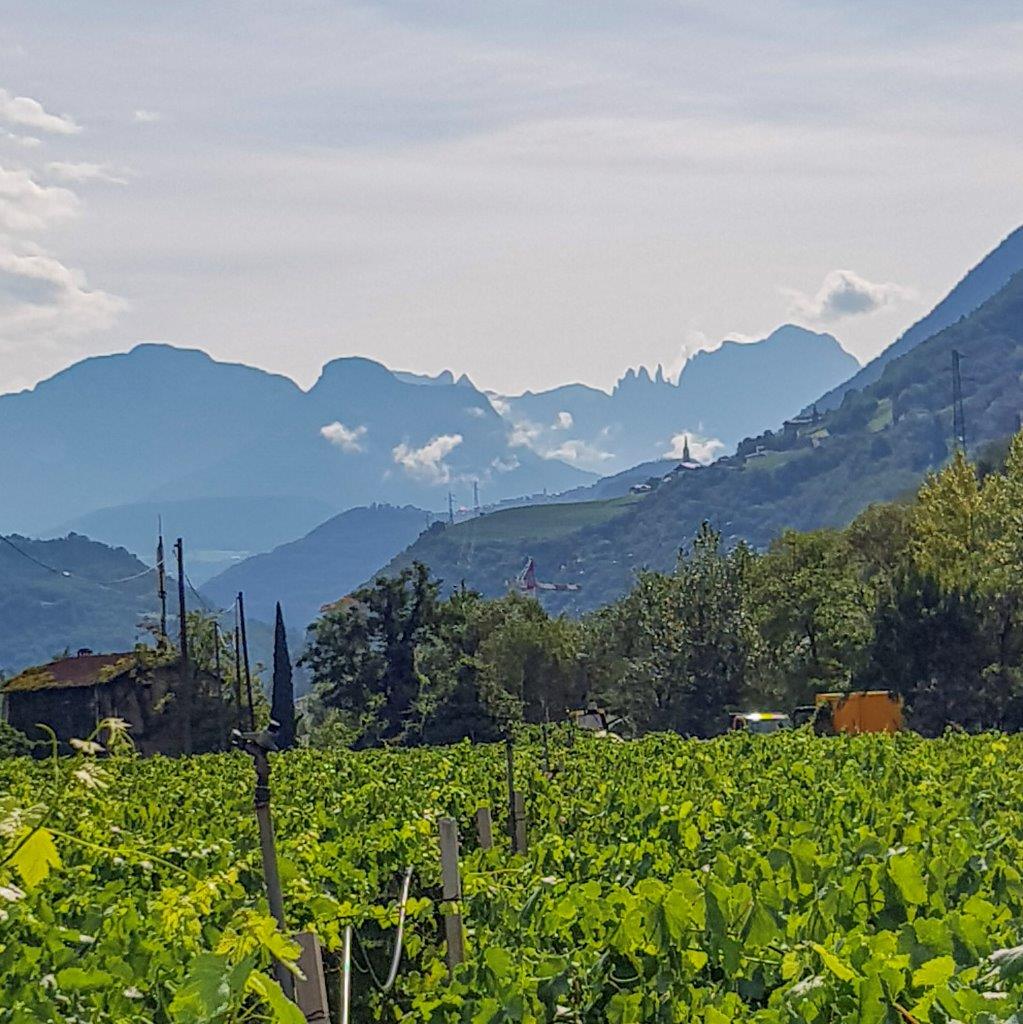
{"type": "Point", "coordinates": [219, 531]}
{"type": "Point", "coordinates": [107, 443]}
{"type": "Point", "coordinates": [722, 396]}
{"type": "Point", "coordinates": [160, 423]}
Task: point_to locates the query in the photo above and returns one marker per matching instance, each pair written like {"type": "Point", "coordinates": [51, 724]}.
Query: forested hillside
{"type": "Point", "coordinates": [876, 446]}
{"type": "Point", "coordinates": [321, 566]}
{"type": "Point", "coordinates": [97, 599]}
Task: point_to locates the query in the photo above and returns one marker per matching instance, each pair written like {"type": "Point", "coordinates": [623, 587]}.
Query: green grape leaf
{"type": "Point", "coordinates": [77, 979]}
{"type": "Point", "coordinates": [36, 857]}
{"type": "Point", "coordinates": [935, 972]}
{"type": "Point", "coordinates": [266, 989]}
{"type": "Point", "coordinates": [838, 967]}
{"type": "Point", "coordinates": [206, 992]}
{"type": "Point", "coordinates": [904, 871]}
{"type": "Point", "coordinates": [763, 928]}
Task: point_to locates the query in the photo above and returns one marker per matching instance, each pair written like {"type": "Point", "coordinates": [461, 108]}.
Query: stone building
{"type": "Point", "coordinates": [72, 695]}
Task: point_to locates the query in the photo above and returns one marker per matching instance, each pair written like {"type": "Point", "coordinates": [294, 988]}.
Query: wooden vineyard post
{"type": "Point", "coordinates": [485, 828]}
{"type": "Point", "coordinates": [451, 884]}
{"type": "Point", "coordinates": [519, 806]}
{"type": "Point", "coordinates": [311, 993]}
{"type": "Point", "coordinates": [546, 744]}
{"type": "Point", "coordinates": [509, 754]}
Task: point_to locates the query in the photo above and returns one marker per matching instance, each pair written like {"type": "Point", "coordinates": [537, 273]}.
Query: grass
{"type": "Point", "coordinates": [882, 416]}
{"type": "Point", "coordinates": [772, 460]}
{"type": "Point", "coordinates": [540, 522]}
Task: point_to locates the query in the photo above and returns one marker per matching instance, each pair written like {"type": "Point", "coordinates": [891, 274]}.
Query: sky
{"type": "Point", "coordinates": [531, 193]}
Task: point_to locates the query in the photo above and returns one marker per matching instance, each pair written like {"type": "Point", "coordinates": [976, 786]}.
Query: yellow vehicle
{"type": "Point", "coordinates": [760, 722]}
{"type": "Point", "coordinates": [855, 712]}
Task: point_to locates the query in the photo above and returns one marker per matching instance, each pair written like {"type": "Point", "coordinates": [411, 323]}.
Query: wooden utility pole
{"type": "Point", "coordinates": [161, 583]}
{"type": "Point", "coordinates": [217, 682]}
{"type": "Point", "coordinates": [958, 415]}
{"type": "Point", "coordinates": [185, 695]}
{"type": "Point", "coordinates": [245, 661]}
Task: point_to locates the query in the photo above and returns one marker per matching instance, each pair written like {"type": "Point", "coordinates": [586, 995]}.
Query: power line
{"type": "Point", "coordinates": [128, 579]}
{"type": "Point", "coordinates": [203, 601]}
{"type": "Point", "coordinates": [67, 574]}
{"type": "Point", "coordinates": [32, 558]}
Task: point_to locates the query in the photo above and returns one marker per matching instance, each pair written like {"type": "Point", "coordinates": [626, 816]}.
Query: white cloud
{"type": "Point", "coordinates": [346, 438]}
{"type": "Point", "coordinates": [505, 465]}
{"type": "Point", "coordinates": [146, 116]}
{"type": "Point", "coordinates": [843, 294]}
{"type": "Point", "coordinates": [84, 172]}
{"type": "Point", "coordinates": [41, 299]}
{"type": "Point", "coordinates": [25, 141]}
{"type": "Point", "coordinates": [577, 453]}
{"type": "Point", "coordinates": [500, 405]}
{"type": "Point", "coordinates": [475, 412]}
{"type": "Point", "coordinates": [525, 434]}
{"type": "Point", "coordinates": [427, 463]}
{"type": "Point", "coordinates": [29, 113]}
{"type": "Point", "coordinates": [701, 449]}
{"type": "Point", "coordinates": [539, 439]}
{"type": "Point", "coordinates": [25, 205]}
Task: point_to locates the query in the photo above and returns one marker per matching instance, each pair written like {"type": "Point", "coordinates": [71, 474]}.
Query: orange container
{"type": "Point", "coordinates": [864, 710]}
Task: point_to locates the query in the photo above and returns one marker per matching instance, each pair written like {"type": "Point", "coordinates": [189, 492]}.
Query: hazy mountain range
{"type": "Point", "coordinates": [239, 460]}
{"type": "Point", "coordinates": [161, 423]}
{"type": "Point", "coordinates": [322, 566]}
{"type": "Point", "coordinates": [814, 472]}
{"type": "Point", "coordinates": [721, 397]}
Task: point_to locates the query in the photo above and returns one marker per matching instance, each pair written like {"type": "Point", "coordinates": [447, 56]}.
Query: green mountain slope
{"type": "Point", "coordinates": [320, 567]}
{"type": "Point", "coordinates": [219, 532]}
{"type": "Point", "coordinates": [43, 612]}
{"type": "Point", "coordinates": [876, 446]}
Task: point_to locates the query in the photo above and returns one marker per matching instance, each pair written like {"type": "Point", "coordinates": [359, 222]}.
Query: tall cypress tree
{"type": "Point", "coordinates": [282, 707]}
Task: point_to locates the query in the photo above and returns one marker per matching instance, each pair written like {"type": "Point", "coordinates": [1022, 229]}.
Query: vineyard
{"type": "Point", "coordinates": [776, 879]}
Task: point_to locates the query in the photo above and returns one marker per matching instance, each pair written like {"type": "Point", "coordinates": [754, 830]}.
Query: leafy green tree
{"type": "Point", "coordinates": [814, 610]}
{"type": "Point", "coordinates": [950, 636]}
{"type": "Point", "coordinates": [685, 644]}
{"type": "Point", "coordinates": [528, 661]}
{"type": "Point", "coordinates": [362, 654]}
{"type": "Point", "coordinates": [451, 704]}
{"type": "Point", "coordinates": [932, 646]}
